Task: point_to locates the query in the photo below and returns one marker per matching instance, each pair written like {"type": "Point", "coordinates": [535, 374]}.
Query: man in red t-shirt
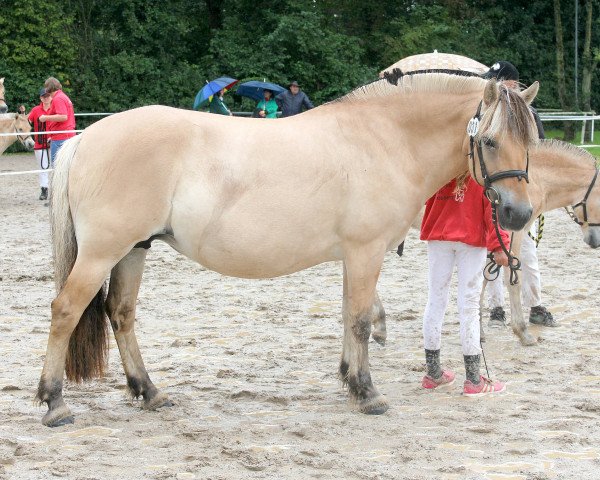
{"type": "Point", "coordinates": [40, 146]}
{"type": "Point", "coordinates": [61, 116]}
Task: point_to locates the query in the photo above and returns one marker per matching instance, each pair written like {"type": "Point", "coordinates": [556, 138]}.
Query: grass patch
{"type": "Point", "coordinates": [557, 133]}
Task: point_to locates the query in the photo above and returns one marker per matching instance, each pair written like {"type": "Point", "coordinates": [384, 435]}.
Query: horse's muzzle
{"type": "Point", "coordinates": [3, 109]}
{"type": "Point", "coordinates": [514, 216]}
{"type": "Point", "coordinates": [592, 237]}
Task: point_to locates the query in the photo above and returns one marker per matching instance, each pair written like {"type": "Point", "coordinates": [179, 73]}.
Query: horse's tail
{"type": "Point", "coordinates": [88, 346]}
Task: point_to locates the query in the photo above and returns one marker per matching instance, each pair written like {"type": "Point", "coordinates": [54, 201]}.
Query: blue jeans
{"type": "Point", "coordinates": [54, 147]}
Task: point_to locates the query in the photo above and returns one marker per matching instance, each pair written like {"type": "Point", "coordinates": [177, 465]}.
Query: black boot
{"type": "Point", "coordinates": [541, 316]}
{"type": "Point", "coordinates": [497, 318]}
{"type": "Point", "coordinates": [44, 194]}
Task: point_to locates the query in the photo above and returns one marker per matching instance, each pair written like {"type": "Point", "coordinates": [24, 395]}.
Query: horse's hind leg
{"type": "Point", "coordinates": [379, 328]}
{"type": "Point", "coordinates": [361, 271]}
{"type": "Point", "coordinates": [125, 281]}
{"type": "Point", "coordinates": [85, 353]}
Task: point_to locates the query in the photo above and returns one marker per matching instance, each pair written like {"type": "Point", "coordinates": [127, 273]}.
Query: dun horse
{"type": "Point", "coordinates": [18, 124]}
{"type": "Point", "coordinates": [340, 182]}
{"type": "Point", "coordinates": [560, 175]}
{"type": "Point", "coordinates": [3, 106]}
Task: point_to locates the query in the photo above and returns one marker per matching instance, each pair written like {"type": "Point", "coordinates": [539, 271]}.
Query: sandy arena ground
{"type": "Point", "coordinates": [251, 367]}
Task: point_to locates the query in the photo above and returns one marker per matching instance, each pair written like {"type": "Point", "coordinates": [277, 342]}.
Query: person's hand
{"type": "Point", "coordinates": [43, 118]}
{"type": "Point", "coordinates": [261, 114]}
{"type": "Point", "coordinates": [500, 258]}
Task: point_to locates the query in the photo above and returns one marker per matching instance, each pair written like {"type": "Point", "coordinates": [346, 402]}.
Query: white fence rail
{"type": "Point", "coordinates": [582, 117]}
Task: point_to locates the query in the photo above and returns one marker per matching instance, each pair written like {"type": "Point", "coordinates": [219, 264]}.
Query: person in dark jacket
{"type": "Point", "coordinates": [291, 102]}
{"type": "Point", "coordinates": [508, 74]}
{"type": "Point", "coordinates": [217, 105]}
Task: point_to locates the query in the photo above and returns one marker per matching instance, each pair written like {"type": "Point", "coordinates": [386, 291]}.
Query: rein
{"type": "Point", "coordinates": [492, 270]}
{"type": "Point", "coordinates": [583, 204]}
{"type": "Point", "coordinates": [43, 141]}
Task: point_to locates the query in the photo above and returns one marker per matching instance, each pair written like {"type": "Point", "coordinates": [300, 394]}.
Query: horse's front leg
{"type": "Point", "coordinates": [361, 271]}
{"type": "Point", "coordinates": [379, 328]}
{"type": "Point", "coordinates": [519, 325]}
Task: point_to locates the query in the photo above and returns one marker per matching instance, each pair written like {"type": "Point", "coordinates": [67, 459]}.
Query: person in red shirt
{"type": "Point", "coordinates": [458, 227]}
{"type": "Point", "coordinates": [41, 147]}
{"type": "Point", "coordinates": [61, 116]}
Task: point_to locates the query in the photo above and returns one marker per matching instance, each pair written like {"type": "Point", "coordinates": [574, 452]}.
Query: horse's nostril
{"type": "Point", "coordinates": [515, 218]}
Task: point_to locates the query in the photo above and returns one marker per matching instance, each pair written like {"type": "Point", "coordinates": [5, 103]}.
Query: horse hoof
{"type": "Point", "coordinates": [374, 406]}
{"type": "Point", "coordinates": [58, 417]}
{"type": "Point", "coordinates": [528, 340]}
{"type": "Point", "coordinates": [379, 338]}
{"type": "Point", "coordinates": [158, 401]}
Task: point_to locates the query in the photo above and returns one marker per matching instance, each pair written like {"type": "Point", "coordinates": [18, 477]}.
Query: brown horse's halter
{"type": "Point", "coordinates": [20, 136]}
{"type": "Point", "coordinates": [583, 204]}
{"type": "Point", "coordinates": [492, 269]}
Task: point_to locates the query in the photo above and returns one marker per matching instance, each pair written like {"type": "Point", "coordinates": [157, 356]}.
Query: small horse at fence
{"type": "Point", "coordinates": [340, 182]}
{"type": "Point", "coordinates": [561, 175]}
{"type": "Point", "coordinates": [20, 126]}
{"type": "Point", "coordinates": [3, 106]}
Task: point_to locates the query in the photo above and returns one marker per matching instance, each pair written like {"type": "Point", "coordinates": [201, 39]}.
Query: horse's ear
{"type": "Point", "coordinates": [529, 93]}
{"type": "Point", "coordinates": [490, 94]}
{"type": "Point", "coordinates": [2, 81]}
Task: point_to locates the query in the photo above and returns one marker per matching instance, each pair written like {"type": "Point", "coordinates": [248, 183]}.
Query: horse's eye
{"type": "Point", "coordinates": [489, 142]}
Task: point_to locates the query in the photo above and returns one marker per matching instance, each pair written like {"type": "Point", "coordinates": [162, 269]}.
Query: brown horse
{"type": "Point", "coordinates": [3, 106]}
{"type": "Point", "coordinates": [339, 182]}
{"type": "Point", "coordinates": [20, 126]}
{"type": "Point", "coordinates": [560, 175]}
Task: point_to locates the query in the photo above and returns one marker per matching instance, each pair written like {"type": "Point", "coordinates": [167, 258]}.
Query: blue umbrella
{"type": "Point", "coordinates": [205, 94]}
{"type": "Point", "coordinates": [255, 89]}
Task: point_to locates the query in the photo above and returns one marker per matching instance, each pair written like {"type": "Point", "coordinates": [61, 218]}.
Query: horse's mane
{"type": "Point", "coordinates": [434, 81]}
{"type": "Point", "coordinates": [552, 144]}
{"type": "Point", "coordinates": [509, 113]}
{"type": "Point", "coordinates": [6, 118]}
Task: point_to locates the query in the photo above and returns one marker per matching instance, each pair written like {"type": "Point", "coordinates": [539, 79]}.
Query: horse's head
{"type": "Point", "coordinates": [501, 132]}
{"type": "Point", "coordinates": [3, 106]}
{"type": "Point", "coordinates": [23, 129]}
{"type": "Point", "coordinates": [587, 213]}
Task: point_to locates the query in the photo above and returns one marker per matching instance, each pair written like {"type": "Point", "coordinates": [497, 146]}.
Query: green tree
{"type": "Point", "coordinates": [283, 47]}
{"type": "Point", "coordinates": [34, 45]}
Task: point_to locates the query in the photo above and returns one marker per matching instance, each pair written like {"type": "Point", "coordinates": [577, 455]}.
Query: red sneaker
{"type": "Point", "coordinates": [446, 379]}
{"type": "Point", "coordinates": [484, 387]}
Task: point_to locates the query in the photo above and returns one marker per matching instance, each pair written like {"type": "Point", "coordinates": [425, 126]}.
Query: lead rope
{"type": "Point", "coordinates": [540, 230]}
{"type": "Point", "coordinates": [492, 269]}
{"type": "Point", "coordinates": [44, 144]}
{"type": "Point", "coordinates": [484, 360]}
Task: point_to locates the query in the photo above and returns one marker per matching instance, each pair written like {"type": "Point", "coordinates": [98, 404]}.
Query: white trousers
{"type": "Point", "coordinates": [469, 261]}
{"type": "Point", "coordinates": [529, 277]}
{"type": "Point", "coordinates": [43, 163]}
